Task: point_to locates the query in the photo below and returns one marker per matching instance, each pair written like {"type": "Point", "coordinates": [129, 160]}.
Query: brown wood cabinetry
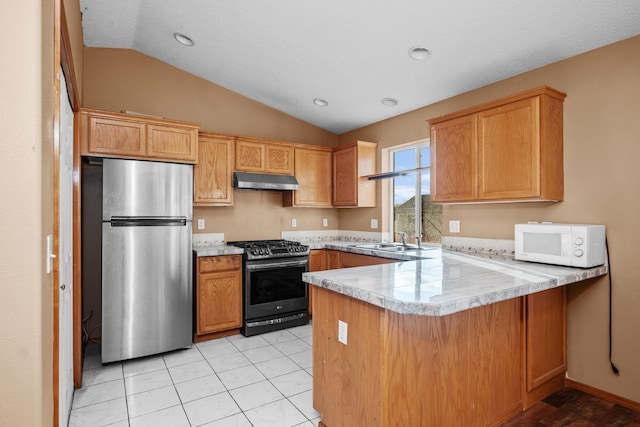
{"type": "Point", "coordinates": [313, 171]}
{"type": "Point", "coordinates": [264, 156]}
{"type": "Point", "coordinates": [350, 163]}
{"type": "Point", "coordinates": [507, 150]}
{"type": "Point", "coordinates": [333, 259]}
{"type": "Point", "coordinates": [546, 343]}
{"type": "Point", "coordinates": [463, 369]}
{"type": "Point", "coordinates": [218, 294]}
{"type": "Point", "coordinates": [317, 262]}
{"type": "Point", "coordinates": [213, 174]}
{"type": "Point", "coordinates": [106, 134]}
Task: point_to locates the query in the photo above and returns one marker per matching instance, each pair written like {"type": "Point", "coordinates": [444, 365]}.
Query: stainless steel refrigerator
{"type": "Point", "coordinates": [146, 258]}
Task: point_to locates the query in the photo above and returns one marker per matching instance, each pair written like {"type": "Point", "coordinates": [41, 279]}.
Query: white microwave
{"type": "Point", "coordinates": [575, 245]}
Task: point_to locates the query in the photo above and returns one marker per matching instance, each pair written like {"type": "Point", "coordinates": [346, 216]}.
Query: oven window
{"type": "Point", "coordinates": [277, 285]}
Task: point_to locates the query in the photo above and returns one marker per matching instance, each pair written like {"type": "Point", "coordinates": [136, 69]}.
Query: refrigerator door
{"type": "Point", "coordinates": [143, 188]}
{"type": "Point", "coordinates": [146, 290]}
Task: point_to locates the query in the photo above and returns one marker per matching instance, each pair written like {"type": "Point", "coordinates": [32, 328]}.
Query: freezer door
{"type": "Point", "coordinates": [142, 188]}
{"type": "Point", "coordinates": [146, 290]}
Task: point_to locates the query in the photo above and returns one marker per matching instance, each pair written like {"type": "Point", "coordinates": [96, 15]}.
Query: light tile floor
{"type": "Point", "coordinates": [259, 381]}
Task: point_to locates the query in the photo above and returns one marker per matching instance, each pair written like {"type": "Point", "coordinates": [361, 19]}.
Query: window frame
{"type": "Point", "coordinates": [417, 146]}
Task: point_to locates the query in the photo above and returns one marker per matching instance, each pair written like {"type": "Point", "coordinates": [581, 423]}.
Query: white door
{"type": "Point", "coordinates": [66, 256]}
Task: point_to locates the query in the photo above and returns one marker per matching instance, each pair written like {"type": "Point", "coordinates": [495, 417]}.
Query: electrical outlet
{"type": "Point", "coordinates": [342, 332]}
{"type": "Point", "coordinates": [201, 224]}
{"type": "Point", "coordinates": [374, 223]}
{"type": "Point", "coordinates": [454, 226]}
{"type": "Point", "coordinates": [325, 222]}
{"type": "Point", "coordinates": [294, 223]}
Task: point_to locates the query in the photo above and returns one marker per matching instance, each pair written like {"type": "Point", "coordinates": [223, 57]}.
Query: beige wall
{"type": "Point", "coordinates": [26, 302]}
{"type": "Point", "coordinates": [74, 28]}
{"type": "Point", "coordinates": [602, 179]}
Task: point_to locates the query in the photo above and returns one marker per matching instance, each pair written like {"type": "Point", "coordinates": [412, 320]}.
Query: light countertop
{"type": "Point", "coordinates": [447, 283]}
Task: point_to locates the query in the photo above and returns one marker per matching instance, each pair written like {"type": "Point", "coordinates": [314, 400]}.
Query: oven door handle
{"type": "Point", "coordinates": [277, 265]}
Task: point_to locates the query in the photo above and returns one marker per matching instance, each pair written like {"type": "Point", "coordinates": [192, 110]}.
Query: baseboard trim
{"type": "Point", "coordinates": [627, 403]}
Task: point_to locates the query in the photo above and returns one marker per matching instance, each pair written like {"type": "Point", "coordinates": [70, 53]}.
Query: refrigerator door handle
{"type": "Point", "coordinates": [123, 221]}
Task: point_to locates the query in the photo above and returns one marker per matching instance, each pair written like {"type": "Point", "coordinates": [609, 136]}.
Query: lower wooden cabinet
{"type": "Point", "coordinates": [218, 296]}
{"type": "Point", "coordinates": [546, 343]}
{"type": "Point", "coordinates": [476, 367]}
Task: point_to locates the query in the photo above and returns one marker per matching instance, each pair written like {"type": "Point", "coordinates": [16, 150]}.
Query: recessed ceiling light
{"type": "Point", "coordinates": [419, 53]}
{"type": "Point", "coordinates": [389, 102]}
{"type": "Point", "coordinates": [185, 40]}
{"type": "Point", "coordinates": [320, 102]}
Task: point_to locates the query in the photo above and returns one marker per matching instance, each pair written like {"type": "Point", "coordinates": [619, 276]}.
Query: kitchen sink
{"type": "Point", "coordinates": [392, 247]}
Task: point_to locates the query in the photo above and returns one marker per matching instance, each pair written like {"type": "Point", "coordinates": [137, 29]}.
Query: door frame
{"type": "Point", "coordinates": [63, 58]}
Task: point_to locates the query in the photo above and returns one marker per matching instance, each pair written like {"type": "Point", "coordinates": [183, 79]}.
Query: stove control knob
{"type": "Point", "coordinates": [578, 252]}
{"type": "Point", "coordinates": [579, 241]}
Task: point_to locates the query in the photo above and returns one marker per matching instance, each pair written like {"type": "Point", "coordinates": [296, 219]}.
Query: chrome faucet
{"type": "Point", "coordinates": [419, 240]}
{"type": "Point", "coordinates": [403, 236]}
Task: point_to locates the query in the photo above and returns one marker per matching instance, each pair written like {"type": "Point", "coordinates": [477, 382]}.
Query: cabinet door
{"type": "Point", "coordinates": [313, 172]}
{"type": "Point", "coordinates": [509, 151]}
{"type": "Point", "coordinates": [546, 325]}
{"type": "Point", "coordinates": [279, 159]}
{"type": "Point", "coordinates": [333, 260]}
{"type": "Point", "coordinates": [213, 174]}
{"type": "Point", "coordinates": [250, 156]}
{"type": "Point", "coordinates": [453, 165]}
{"type": "Point", "coordinates": [116, 137]}
{"type": "Point", "coordinates": [219, 301]}
{"type": "Point", "coordinates": [172, 142]}
{"type": "Point", "coordinates": [345, 178]}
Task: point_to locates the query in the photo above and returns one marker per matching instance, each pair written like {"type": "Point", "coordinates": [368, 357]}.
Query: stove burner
{"type": "Point", "coordinates": [264, 249]}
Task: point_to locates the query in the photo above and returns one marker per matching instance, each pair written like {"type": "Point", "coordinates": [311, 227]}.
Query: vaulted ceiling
{"type": "Point", "coordinates": [353, 54]}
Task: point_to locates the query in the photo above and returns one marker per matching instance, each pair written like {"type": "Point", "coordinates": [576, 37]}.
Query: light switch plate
{"type": "Point", "coordinates": [342, 332]}
{"type": "Point", "coordinates": [454, 226]}
{"type": "Point", "coordinates": [201, 224]}
{"type": "Point", "coordinates": [294, 223]}
{"type": "Point", "coordinates": [374, 223]}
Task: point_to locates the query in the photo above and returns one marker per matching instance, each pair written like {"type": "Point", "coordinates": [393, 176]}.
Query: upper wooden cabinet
{"type": "Point", "coordinates": [213, 174]}
{"type": "Point", "coordinates": [313, 172]}
{"type": "Point", "coordinates": [264, 156]}
{"type": "Point", "coordinates": [107, 134]}
{"type": "Point", "coordinates": [507, 150]}
{"type": "Point", "coordinates": [350, 163]}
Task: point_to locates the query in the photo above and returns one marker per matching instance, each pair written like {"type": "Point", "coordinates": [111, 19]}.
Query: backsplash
{"type": "Point", "coordinates": [474, 245]}
{"type": "Point", "coordinates": [332, 235]}
{"type": "Point", "coordinates": [207, 239]}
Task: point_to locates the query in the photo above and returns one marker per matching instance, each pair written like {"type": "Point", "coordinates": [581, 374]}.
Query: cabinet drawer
{"type": "Point", "coordinates": [219, 263]}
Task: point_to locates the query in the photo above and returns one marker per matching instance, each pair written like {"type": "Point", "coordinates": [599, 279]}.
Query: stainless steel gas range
{"type": "Point", "coordinates": [274, 295]}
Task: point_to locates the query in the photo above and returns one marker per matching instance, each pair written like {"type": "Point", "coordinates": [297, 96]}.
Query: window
{"type": "Point", "coordinates": [414, 216]}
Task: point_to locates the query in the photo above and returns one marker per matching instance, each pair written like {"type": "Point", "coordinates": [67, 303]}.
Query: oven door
{"type": "Point", "coordinates": [275, 286]}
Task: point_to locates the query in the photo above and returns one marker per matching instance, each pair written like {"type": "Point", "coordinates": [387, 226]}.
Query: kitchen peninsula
{"type": "Point", "coordinates": [457, 340]}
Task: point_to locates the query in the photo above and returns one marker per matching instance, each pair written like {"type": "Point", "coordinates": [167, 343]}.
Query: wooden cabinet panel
{"type": "Point", "coordinates": [313, 172]}
{"type": "Point", "coordinates": [107, 134]}
{"type": "Point", "coordinates": [333, 260]}
{"type": "Point", "coordinates": [172, 142]}
{"type": "Point", "coordinates": [279, 159]}
{"type": "Point", "coordinates": [213, 174]}
{"type": "Point", "coordinates": [250, 156]}
{"type": "Point", "coordinates": [347, 383]}
{"type": "Point", "coordinates": [546, 334]}
{"type": "Point", "coordinates": [317, 262]}
{"type": "Point", "coordinates": [506, 150]}
{"type": "Point", "coordinates": [509, 151]}
{"type": "Point", "coordinates": [264, 156]}
{"type": "Point", "coordinates": [218, 294]}
{"type": "Point", "coordinates": [350, 163]}
{"type": "Point", "coordinates": [454, 160]}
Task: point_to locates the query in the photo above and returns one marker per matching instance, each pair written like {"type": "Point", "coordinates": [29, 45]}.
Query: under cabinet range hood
{"type": "Point", "coordinates": [264, 181]}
